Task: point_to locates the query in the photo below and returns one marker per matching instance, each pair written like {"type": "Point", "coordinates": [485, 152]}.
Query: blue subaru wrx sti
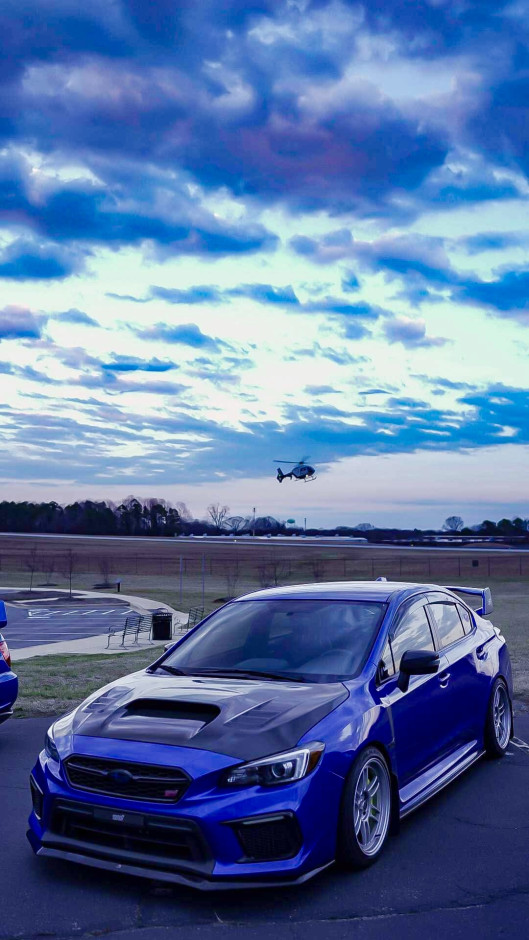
{"type": "Point", "coordinates": [8, 679]}
{"type": "Point", "coordinates": [291, 728]}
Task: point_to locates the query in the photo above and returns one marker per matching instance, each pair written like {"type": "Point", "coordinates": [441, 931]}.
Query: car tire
{"type": "Point", "coordinates": [365, 813]}
{"type": "Point", "coordinates": [498, 724]}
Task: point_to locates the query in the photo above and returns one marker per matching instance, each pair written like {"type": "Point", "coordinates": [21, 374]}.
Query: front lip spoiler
{"type": "Point", "coordinates": [191, 881]}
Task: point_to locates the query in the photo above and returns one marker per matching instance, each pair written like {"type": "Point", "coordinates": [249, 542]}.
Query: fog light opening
{"type": "Point", "coordinates": [37, 798]}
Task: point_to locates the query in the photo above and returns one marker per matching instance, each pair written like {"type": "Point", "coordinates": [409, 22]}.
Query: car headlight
{"type": "Point", "coordinates": [278, 769]}
{"type": "Point", "coordinates": [50, 747]}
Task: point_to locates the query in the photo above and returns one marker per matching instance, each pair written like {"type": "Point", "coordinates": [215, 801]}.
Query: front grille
{"type": "Point", "coordinates": [266, 839]}
{"type": "Point", "coordinates": [145, 835]}
{"type": "Point", "coordinates": [129, 781]}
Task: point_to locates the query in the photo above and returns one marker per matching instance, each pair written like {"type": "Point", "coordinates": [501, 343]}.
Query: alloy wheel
{"type": "Point", "coordinates": [501, 711]}
{"type": "Point", "coordinates": [372, 805]}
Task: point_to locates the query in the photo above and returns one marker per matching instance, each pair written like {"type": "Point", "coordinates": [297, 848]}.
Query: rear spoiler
{"type": "Point", "coordinates": [486, 597]}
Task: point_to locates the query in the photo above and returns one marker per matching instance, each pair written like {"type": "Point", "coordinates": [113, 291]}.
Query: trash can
{"type": "Point", "coordinates": [162, 625]}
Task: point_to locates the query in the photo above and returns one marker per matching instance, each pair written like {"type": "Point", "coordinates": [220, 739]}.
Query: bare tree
{"type": "Point", "coordinates": [48, 567]}
{"type": "Point", "coordinates": [274, 572]}
{"type": "Point", "coordinates": [453, 524]}
{"type": "Point", "coordinates": [69, 567]}
{"type": "Point", "coordinates": [232, 573]}
{"type": "Point", "coordinates": [235, 524]}
{"type": "Point", "coordinates": [106, 568]}
{"type": "Point", "coordinates": [264, 575]}
{"type": "Point", "coordinates": [218, 514]}
{"type": "Point", "coordinates": [183, 512]}
{"type": "Point", "coordinates": [317, 567]}
{"type": "Point", "coordinates": [32, 563]}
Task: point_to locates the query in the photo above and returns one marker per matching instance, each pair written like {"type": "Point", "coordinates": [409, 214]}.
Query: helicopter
{"type": "Point", "coordinates": [301, 470]}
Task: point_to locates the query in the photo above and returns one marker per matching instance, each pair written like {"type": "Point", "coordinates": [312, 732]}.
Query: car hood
{"type": "Point", "coordinates": [244, 719]}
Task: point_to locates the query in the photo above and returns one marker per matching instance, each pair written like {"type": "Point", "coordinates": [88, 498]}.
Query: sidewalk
{"type": "Point", "coordinates": [97, 644]}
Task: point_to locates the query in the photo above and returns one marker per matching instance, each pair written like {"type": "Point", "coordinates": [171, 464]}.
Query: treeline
{"type": "Point", "coordinates": [86, 517]}
{"type": "Point", "coordinates": [131, 517]}
{"type": "Point", "coordinates": [159, 517]}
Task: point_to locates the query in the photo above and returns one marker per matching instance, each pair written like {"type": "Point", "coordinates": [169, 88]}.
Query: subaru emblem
{"type": "Point", "coordinates": [122, 777]}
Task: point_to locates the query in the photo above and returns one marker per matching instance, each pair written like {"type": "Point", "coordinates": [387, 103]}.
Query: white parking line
{"type": "Point", "coordinates": [46, 613]}
{"type": "Point", "coordinates": [522, 745]}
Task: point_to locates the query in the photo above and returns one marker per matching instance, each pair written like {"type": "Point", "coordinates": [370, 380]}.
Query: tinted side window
{"type": "Point", "coordinates": [448, 623]}
{"type": "Point", "coordinates": [466, 619]}
{"type": "Point", "coordinates": [413, 634]}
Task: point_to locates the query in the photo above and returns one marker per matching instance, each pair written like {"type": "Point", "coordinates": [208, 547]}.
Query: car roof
{"type": "Point", "coordinates": [342, 590]}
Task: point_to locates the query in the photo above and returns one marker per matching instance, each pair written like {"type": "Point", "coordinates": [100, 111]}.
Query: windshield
{"type": "Point", "coordinates": [311, 640]}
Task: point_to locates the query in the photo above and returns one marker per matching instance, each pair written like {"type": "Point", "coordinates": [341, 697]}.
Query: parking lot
{"type": "Point", "coordinates": [458, 868]}
{"type": "Point", "coordinates": [35, 623]}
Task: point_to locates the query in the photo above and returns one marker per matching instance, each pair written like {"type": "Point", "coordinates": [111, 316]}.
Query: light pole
{"type": "Point", "coordinates": [253, 523]}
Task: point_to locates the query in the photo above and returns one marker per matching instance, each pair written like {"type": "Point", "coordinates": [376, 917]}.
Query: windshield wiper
{"type": "Point", "coordinates": [243, 673]}
{"type": "Point", "coordinates": [172, 669]}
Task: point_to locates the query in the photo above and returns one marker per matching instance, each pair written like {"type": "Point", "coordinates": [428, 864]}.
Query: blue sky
{"type": "Point", "coordinates": [254, 230]}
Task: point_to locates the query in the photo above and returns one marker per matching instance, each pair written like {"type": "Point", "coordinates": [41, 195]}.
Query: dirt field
{"type": "Point", "coordinates": [187, 573]}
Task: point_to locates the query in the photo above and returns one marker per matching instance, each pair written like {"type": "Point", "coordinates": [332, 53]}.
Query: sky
{"type": "Point", "coordinates": [240, 232]}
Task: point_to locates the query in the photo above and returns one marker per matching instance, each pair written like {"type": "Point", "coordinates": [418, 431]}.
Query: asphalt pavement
{"type": "Point", "coordinates": [459, 868]}
{"type": "Point", "coordinates": [32, 623]}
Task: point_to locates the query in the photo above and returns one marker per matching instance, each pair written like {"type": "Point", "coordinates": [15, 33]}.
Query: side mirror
{"type": "Point", "coordinates": [417, 663]}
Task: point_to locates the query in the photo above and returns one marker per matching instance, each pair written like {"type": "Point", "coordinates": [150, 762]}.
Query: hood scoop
{"type": "Point", "coordinates": [160, 719]}
{"type": "Point", "coordinates": [169, 710]}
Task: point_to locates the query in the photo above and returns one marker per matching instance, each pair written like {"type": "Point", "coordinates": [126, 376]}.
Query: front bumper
{"type": "Point", "coordinates": [205, 841]}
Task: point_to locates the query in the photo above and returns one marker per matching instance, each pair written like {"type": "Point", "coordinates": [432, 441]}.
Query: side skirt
{"type": "Point", "coordinates": [424, 793]}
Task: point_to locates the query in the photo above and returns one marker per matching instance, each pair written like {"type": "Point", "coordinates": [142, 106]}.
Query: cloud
{"type": "Point", "coordinates": [266, 294]}
{"type": "Point", "coordinates": [500, 130]}
{"type": "Point", "coordinates": [133, 364]}
{"type": "Point", "coordinates": [422, 264]}
{"type": "Point", "coordinates": [492, 241]}
{"type": "Point", "coordinates": [192, 295]}
{"type": "Point", "coordinates": [318, 390]}
{"type": "Point", "coordinates": [25, 260]}
{"type": "Point", "coordinates": [411, 333]}
{"type": "Point", "coordinates": [19, 323]}
{"type": "Point", "coordinates": [350, 283]}
{"type": "Point", "coordinates": [508, 294]}
{"type": "Point", "coordinates": [354, 330]}
{"type": "Point", "coordinates": [341, 357]}
{"type": "Point", "coordinates": [270, 102]}
{"type": "Point", "coordinates": [75, 317]}
{"type": "Point", "coordinates": [414, 256]}
{"type": "Point", "coordinates": [131, 297]}
{"type": "Point", "coordinates": [85, 213]}
{"type": "Point", "coordinates": [269, 295]}
{"type": "Point", "coordinates": [186, 334]}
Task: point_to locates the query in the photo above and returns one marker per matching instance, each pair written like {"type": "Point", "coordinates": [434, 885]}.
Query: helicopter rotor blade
{"type": "Point", "coordinates": [294, 462]}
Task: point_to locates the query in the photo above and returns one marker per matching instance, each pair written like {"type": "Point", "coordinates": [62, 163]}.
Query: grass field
{"type": "Point", "coordinates": [51, 685]}
{"type": "Point", "coordinates": [183, 573]}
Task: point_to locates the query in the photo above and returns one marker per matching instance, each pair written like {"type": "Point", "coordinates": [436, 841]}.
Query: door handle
{"type": "Point", "coordinates": [444, 679]}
